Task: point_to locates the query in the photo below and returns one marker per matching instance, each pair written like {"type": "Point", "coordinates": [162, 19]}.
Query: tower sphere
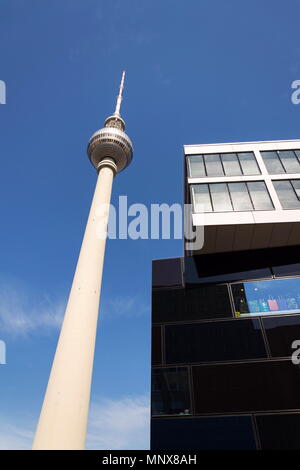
{"type": "Point", "coordinates": [111, 142]}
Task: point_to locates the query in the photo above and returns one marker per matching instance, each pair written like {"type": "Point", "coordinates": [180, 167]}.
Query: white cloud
{"type": "Point", "coordinates": [125, 306]}
{"type": "Point", "coordinates": [120, 424]}
{"type": "Point", "coordinates": [21, 314]}
{"type": "Point", "coordinates": [14, 437]}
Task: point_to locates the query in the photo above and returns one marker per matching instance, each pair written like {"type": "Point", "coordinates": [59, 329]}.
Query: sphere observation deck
{"type": "Point", "coordinates": [111, 141]}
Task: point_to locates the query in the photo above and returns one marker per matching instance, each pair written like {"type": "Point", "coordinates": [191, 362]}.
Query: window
{"type": "Point", "coordinates": [248, 163]}
{"type": "Point", "coordinates": [288, 192]}
{"type": "Point", "coordinates": [217, 341]}
{"type": "Point", "coordinates": [213, 165]}
{"type": "Point", "coordinates": [260, 196]}
{"type": "Point", "coordinates": [156, 348]}
{"type": "Point", "coordinates": [209, 433]}
{"type": "Point", "coordinates": [170, 391]}
{"type": "Point", "coordinates": [201, 198]}
{"type": "Point", "coordinates": [289, 161]}
{"type": "Point", "coordinates": [240, 197]}
{"type": "Point", "coordinates": [279, 431]}
{"type": "Point", "coordinates": [245, 387]}
{"type": "Point", "coordinates": [282, 161]}
{"type": "Point", "coordinates": [231, 164]}
{"type": "Point", "coordinates": [196, 166]}
{"type": "Point", "coordinates": [220, 197]}
{"type": "Point", "coordinates": [278, 296]}
{"type": "Point", "coordinates": [281, 332]}
{"type": "Point", "coordinates": [272, 162]}
{"type": "Point", "coordinates": [208, 301]}
{"type": "Point", "coordinates": [224, 164]}
{"type": "Point", "coordinates": [228, 197]}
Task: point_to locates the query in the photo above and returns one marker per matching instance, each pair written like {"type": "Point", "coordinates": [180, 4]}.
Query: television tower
{"type": "Point", "coordinates": [63, 419]}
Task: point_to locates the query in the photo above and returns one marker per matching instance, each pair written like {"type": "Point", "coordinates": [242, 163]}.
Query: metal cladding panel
{"type": "Point", "coordinates": [227, 238]}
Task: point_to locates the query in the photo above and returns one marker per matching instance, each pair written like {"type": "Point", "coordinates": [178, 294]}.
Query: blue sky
{"type": "Point", "coordinates": [197, 72]}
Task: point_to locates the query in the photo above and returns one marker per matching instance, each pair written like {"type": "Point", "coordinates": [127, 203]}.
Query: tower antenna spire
{"type": "Point", "coordinates": [119, 99]}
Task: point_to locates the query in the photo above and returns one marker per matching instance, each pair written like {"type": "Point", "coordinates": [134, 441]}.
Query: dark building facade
{"type": "Point", "coordinates": [225, 347]}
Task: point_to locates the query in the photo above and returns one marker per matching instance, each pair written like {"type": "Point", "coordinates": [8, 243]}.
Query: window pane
{"type": "Point", "coordinates": [156, 345]}
{"type": "Point", "coordinates": [170, 391]}
{"type": "Point", "coordinates": [209, 433]}
{"type": "Point", "coordinates": [196, 166]}
{"type": "Point", "coordinates": [204, 302]}
{"type": "Point", "coordinates": [281, 332]}
{"type": "Point", "coordinates": [214, 341]}
{"type": "Point", "coordinates": [240, 197]}
{"type": "Point", "coordinates": [278, 431]}
{"type": "Point", "coordinates": [248, 163]}
{"type": "Point", "coordinates": [253, 386]}
{"type": "Point", "coordinates": [213, 165]}
{"type": "Point", "coordinates": [297, 152]}
{"type": "Point", "coordinates": [273, 297]}
{"type": "Point", "coordinates": [231, 164]}
{"type": "Point", "coordinates": [200, 197]}
{"type": "Point", "coordinates": [220, 197]}
{"type": "Point", "coordinates": [286, 194]}
{"type": "Point", "coordinates": [272, 163]}
{"type": "Point", "coordinates": [167, 272]}
{"type": "Point", "coordinates": [296, 185]}
{"type": "Point", "coordinates": [260, 196]}
{"type": "Point", "coordinates": [289, 161]}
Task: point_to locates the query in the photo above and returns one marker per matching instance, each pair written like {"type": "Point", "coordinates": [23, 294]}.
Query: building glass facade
{"type": "Point", "coordinates": [225, 318]}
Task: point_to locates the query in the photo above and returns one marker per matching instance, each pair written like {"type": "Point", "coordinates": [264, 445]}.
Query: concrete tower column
{"type": "Point", "coordinates": [63, 419]}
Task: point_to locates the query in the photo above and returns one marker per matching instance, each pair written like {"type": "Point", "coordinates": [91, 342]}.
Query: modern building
{"type": "Point", "coordinates": [226, 316]}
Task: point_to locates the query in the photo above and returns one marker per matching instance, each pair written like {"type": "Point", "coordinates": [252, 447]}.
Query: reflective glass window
{"type": "Point", "coordinates": [272, 162]}
{"type": "Point", "coordinates": [277, 296]}
{"type": "Point", "coordinates": [214, 341]}
{"type": "Point", "coordinates": [196, 166]}
{"type": "Point", "coordinates": [289, 161]}
{"type": "Point", "coordinates": [206, 301]}
{"type": "Point", "coordinates": [201, 198]}
{"type": "Point", "coordinates": [279, 431]}
{"type": "Point", "coordinates": [287, 194]}
{"type": "Point", "coordinates": [170, 391]}
{"type": "Point", "coordinates": [167, 272]}
{"type": "Point", "coordinates": [231, 164]}
{"type": "Point", "coordinates": [168, 305]}
{"type": "Point", "coordinates": [240, 197]}
{"type": "Point", "coordinates": [213, 165]}
{"type": "Point", "coordinates": [220, 197]}
{"type": "Point", "coordinates": [281, 333]}
{"type": "Point", "coordinates": [286, 270]}
{"type": "Point", "coordinates": [223, 197]}
{"type": "Point", "coordinates": [246, 387]}
{"type": "Point", "coordinates": [297, 152]}
{"type": "Point", "coordinates": [296, 186]}
{"type": "Point", "coordinates": [156, 345]}
{"type": "Point", "coordinates": [248, 163]}
{"type": "Point", "coordinates": [209, 433]}
{"type": "Point", "coordinates": [260, 196]}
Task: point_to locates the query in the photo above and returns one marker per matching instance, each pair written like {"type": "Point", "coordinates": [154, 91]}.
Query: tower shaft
{"type": "Point", "coordinates": [63, 419]}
